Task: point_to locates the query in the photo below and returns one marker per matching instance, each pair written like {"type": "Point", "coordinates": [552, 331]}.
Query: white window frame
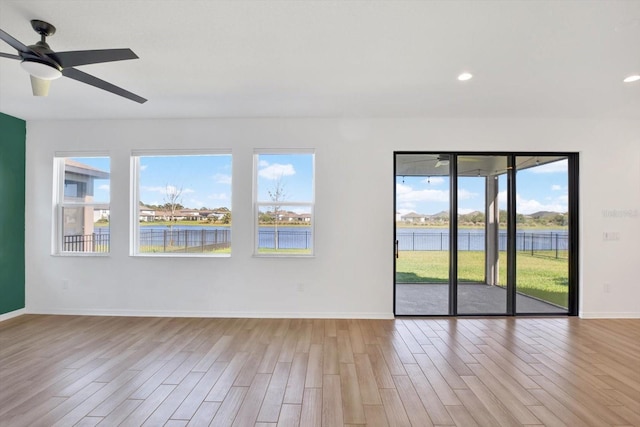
{"type": "Point", "coordinates": [59, 203]}
{"type": "Point", "coordinates": [135, 200]}
{"type": "Point", "coordinates": [257, 204]}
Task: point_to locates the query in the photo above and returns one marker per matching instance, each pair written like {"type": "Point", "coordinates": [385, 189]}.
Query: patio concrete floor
{"type": "Point", "coordinates": [433, 299]}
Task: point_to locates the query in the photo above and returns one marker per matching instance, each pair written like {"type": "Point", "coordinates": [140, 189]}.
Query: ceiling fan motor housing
{"type": "Point", "coordinates": [41, 65]}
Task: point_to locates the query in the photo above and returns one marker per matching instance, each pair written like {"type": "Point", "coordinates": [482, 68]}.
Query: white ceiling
{"type": "Point", "coordinates": [335, 58]}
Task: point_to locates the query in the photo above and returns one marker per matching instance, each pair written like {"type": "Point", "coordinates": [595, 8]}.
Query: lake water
{"type": "Point", "coordinates": [409, 239]}
{"type": "Point", "coordinates": [473, 239]}
{"type": "Point", "coordinates": [198, 235]}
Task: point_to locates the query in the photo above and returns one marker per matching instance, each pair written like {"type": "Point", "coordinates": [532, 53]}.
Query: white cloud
{"type": "Point", "coordinates": [263, 163]}
{"type": "Point", "coordinates": [221, 178]}
{"type": "Point", "coordinates": [406, 193]}
{"type": "Point", "coordinates": [218, 196]}
{"type": "Point", "coordinates": [529, 206]}
{"type": "Point", "coordinates": [502, 198]}
{"type": "Point", "coordinates": [166, 189]}
{"type": "Point", "coordinates": [465, 194]}
{"type": "Point", "coordinates": [436, 180]}
{"type": "Point", "coordinates": [276, 171]}
{"type": "Point", "coordinates": [143, 167]}
{"type": "Point", "coordinates": [196, 203]}
{"type": "Point", "coordinates": [556, 187]}
{"type": "Point", "coordinates": [153, 189]}
{"type": "Point", "coordinates": [104, 187]}
{"type": "Point", "coordinates": [555, 167]}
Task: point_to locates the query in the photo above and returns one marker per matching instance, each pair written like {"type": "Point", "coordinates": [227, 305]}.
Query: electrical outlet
{"type": "Point", "coordinates": [65, 284]}
{"type": "Point", "coordinates": [607, 288]}
{"type": "Point", "coordinates": [300, 287]}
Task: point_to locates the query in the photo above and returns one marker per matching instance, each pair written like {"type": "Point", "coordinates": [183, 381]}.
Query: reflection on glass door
{"type": "Point", "coordinates": [481, 289]}
{"type": "Point", "coordinates": [422, 234]}
{"type": "Point", "coordinates": [542, 237]}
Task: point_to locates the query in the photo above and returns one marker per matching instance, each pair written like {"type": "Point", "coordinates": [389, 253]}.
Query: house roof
{"type": "Point", "coordinates": [82, 169]}
{"type": "Point", "coordinates": [347, 59]}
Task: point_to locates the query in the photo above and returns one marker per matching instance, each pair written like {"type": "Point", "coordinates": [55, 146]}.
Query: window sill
{"type": "Point", "coordinates": [179, 255]}
{"type": "Point", "coordinates": [82, 254]}
{"type": "Point", "coordinates": [283, 256]}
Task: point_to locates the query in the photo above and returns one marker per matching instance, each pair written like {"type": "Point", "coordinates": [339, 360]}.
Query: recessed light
{"type": "Point", "coordinates": [465, 76]}
{"type": "Point", "coordinates": [632, 78]}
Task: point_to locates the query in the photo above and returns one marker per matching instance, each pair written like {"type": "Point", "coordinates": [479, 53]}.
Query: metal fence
{"type": "Point", "coordinates": [203, 240]}
{"type": "Point", "coordinates": [96, 242]}
{"type": "Point", "coordinates": [552, 244]}
{"type": "Point", "coordinates": [284, 239]}
{"type": "Point", "coordinates": [185, 240]}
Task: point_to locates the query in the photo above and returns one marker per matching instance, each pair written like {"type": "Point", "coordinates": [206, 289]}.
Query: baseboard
{"type": "Point", "coordinates": [613, 315]}
{"type": "Point", "coordinates": [221, 314]}
{"type": "Point", "coordinates": [12, 314]}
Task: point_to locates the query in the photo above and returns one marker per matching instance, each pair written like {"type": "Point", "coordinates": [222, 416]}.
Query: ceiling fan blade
{"type": "Point", "coordinates": [84, 57]}
{"type": "Point", "coordinates": [83, 77]}
{"type": "Point", "coordinates": [40, 87]}
{"type": "Point", "coordinates": [9, 55]}
{"type": "Point", "coordinates": [17, 45]}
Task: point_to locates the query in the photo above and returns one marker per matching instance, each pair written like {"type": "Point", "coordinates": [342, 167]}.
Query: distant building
{"type": "Point", "coordinates": [413, 217]}
{"type": "Point", "coordinates": [79, 188]}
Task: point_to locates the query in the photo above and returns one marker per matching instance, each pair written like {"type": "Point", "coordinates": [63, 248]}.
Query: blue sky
{"type": "Point", "coordinates": [542, 188]}
{"type": "Point", "coordinates": [294, 172]}
{"type": "Point", "coordinates": [206, 180]}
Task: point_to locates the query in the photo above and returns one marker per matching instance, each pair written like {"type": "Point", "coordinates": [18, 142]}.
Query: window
{"type": "Point", "coordinates": [82, 205]}
{"type": "Point", "coordinates": [182, 204]}
{"type": "Point", "coordinates": [284, 203]}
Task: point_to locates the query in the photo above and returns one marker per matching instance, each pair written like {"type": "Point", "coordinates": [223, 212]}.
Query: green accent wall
{"type": "Point", "coordinates": [12, 162]}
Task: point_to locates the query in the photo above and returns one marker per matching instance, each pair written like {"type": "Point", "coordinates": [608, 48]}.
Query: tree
{"type": "Point", "coordinates": [560, 219]}
{"type": "Point", "coordinates": [226, 218]}
{"type": "Point", "coordinates": [265, 217]}
{"type": "Point", "coordinates": [277, 196]}
{"type": "Point", "coordinates": [173, 199]}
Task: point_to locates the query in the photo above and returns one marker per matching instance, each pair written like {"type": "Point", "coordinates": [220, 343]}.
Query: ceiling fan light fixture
{"type": "Point", "coordinates": [465, 76]}
{"type": "Point", "coordinates": [632, 78]}
{"type": "Point", "coordinates": [41, 70]}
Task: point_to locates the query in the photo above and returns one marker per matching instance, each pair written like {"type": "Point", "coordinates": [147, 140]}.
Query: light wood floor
{"type": "Point", "coordinates": [85, 371]}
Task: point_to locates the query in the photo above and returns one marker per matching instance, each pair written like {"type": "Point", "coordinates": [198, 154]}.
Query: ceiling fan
{"type": "Point", "coordinates": [44, 65]}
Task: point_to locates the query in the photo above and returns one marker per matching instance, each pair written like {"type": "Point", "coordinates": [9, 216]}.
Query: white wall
{"type": "Point", "coordinates": [352, 272]}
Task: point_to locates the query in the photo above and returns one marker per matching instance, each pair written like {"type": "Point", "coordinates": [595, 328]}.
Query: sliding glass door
{"type": "Point", "coordinates": [422, 240]}
{"type": "Point", "coordinates": [510, 248]}
{"type": "Point", "coordinates": [542, 234]}
{"type": "Point", "coordinates": [480, 287]}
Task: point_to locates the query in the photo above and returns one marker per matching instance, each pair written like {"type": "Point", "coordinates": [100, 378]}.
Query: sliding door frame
{"type": "Point", "coordinates": [573, 231]}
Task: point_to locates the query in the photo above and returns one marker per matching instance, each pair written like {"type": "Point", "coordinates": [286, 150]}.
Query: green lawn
{"type": "Point", "coordinates": [541, 276]}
